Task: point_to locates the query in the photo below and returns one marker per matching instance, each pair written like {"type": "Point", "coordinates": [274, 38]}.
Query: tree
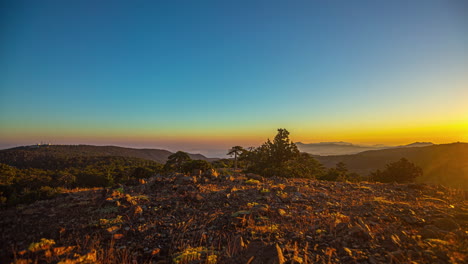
{"type": "Point", "coordinates": [246, 157]}
{"type": "Point", "coordinates": [303, 166]}
{"type": "Point", "coordinates": [400, 171]}
{"type": "Point", "coordinates": [236, 151]}
{"type": "Point", "coordinates": [176, 160]}
{"type": "Point", "coordinates": [282, 148]}
{"type": "Point", "coordinates": [223, 163]}
{"type": "Point", "coordinates": [66, 179]}
{"type": "Point", "coordinates": [142, 172]}
{"type": "Point", "coordinates": [339, 173]}
{"type": "Point", "coordinates": [341, 167]}
{"type": "Point", "coordinates": [270, 158]}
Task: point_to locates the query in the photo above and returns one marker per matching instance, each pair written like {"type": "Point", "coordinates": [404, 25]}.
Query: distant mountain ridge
{"type": "Point", "coordinates": [345, 148]}
{"type": "Point", "coordinates": [445, 164]}
{"type": "Point", "coordinates": [158, 155]}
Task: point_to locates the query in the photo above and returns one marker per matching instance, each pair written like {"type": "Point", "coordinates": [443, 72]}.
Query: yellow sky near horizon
{"type": "Point", "coordinates": [222, 137]}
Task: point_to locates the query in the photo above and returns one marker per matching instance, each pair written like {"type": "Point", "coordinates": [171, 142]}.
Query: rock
{"type": "Point", "coordinates": [417, 186]}
{"type": "Point", "coordinates": [412, 220]}
{"type": "Point", "coordinates": [282, 212]}
{"type": "Point", "coordinates": [372, 260]}
{"type": "Point", "coordinates": [185, 188]}
{"type": "Point", "coordinates": [205, 180]}
{"type": "Point", "coordinates": [229, 178]}
{"type": "Point", "coordinates": [359, 232]}
{"type": "Point", "coordinates": [137, 210]}
{"type": "Point", "coordinates": [118, 236]}
{"type": "Point", "coordinates": [178, 174]}
{"type": "Point", "coordinates": [141, 181]}
{"type": "Point", "coordinates": [254, 176]}
{"type": "Point", "coordinates": [130, 199]}
{"type": "Point", "coordinates": [112, 229]}
{"type": "Point", "coordinates": [258, 253]}
{"type": "Point", "coordinates": [447, 224]}
{"type": "Point", "coordinates": [198, 197]}
{"type": "Point", "coordinates": [397, 255]}
{"type": "Point", "coordinates": [323, 195]}
{"type": "Point", "coordinates": [196, 172]}
{"type": "Point", "coordinates": [211, 173]}
{"type": "Point", "coordinates": [291, 189]}
{"type": "Point", "coordinates": [431, 231]}
{"type": "Point", "coordinates": [348, 251]}
{"type": "Point", "coordinates": [185, 180]}
{"type": "Point", "coordinates": [261, 208]}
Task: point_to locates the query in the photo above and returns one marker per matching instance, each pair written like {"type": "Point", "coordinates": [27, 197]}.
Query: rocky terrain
{"type": "Point", "coordinates": [239, 219]}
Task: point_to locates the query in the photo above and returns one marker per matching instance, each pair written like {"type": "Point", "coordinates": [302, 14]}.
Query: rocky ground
{"type": "Point", "coordinates": [179, 219]}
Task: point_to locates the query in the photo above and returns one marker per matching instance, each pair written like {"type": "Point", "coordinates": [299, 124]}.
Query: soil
{"type": "Point", "coordinates": [169, 219]}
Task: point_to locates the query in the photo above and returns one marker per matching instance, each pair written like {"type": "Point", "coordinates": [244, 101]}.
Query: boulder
{"type": "Point", "coordinates": [183, 180]}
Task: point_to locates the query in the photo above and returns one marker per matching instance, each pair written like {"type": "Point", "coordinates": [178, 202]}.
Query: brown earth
{"type": "Point", "coordinates": [176, 219]}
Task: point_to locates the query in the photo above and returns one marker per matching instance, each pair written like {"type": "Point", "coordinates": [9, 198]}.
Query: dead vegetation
{"type": "Point", "coordinates": [180, 219]}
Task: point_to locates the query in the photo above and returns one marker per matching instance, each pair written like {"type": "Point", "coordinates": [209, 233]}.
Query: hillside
{"type": "Point", "coordinates": [334, 148]}
{"type": "Point", "coordinates": [22, 155]}
{"type": "Point", "coordinates": [445, 164]}
{"type": "Point", "coordinates": [344, 148]}
{"type": "Point", "coordinates": [179, 219]}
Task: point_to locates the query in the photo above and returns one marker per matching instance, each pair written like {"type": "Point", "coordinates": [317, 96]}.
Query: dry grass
{"type": "Point", "coordinates": [311, 221]}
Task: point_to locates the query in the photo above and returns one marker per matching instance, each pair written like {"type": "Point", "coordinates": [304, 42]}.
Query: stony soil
{"type": "Point", "coordinates": [177, 219]}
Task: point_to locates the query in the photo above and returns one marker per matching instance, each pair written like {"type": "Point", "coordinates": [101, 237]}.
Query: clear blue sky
{"type": "Point", "coordinates": [208, 74]}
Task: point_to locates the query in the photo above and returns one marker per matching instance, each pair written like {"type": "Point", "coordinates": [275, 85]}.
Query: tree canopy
{"type": "Point", "coordinates": [400, 171]}
{"type": "Point", "coordinates": [281, 157]}
{"type": "Point", "coordinates": [236, 151]}
{"type": "Point", "coordinates": [176, 160]}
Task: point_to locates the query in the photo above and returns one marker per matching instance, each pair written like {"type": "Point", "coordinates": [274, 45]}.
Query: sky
{"type": "Point", "coordinates": [202, 76]}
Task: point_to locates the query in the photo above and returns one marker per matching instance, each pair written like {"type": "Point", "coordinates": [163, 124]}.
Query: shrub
{"type": "Point", "coordinates": [191, 165]}
{"type": "Point", "coordinates": [46, 192]}
{"type": "Point", "coordinates": [400, 171]}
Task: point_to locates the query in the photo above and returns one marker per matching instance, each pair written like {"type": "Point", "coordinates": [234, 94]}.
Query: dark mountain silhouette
{"type": "Point", "coordinates": [418, 144]}
{"type": "Point", "coordinates": [19, 155]}
{"type": "Point", "coordinates": [334, 148]}
{"type": "Point", "coordinates": [345, 148]}
{"type": "Point", "coordinates": [445, 164]}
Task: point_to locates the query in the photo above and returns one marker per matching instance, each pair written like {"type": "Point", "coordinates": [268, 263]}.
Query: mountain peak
{"type": "Point", "coordinates": [419, 144]}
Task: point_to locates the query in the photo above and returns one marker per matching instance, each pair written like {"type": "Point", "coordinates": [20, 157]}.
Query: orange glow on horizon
{"type": "Point", "coordinates": [252, 136]}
